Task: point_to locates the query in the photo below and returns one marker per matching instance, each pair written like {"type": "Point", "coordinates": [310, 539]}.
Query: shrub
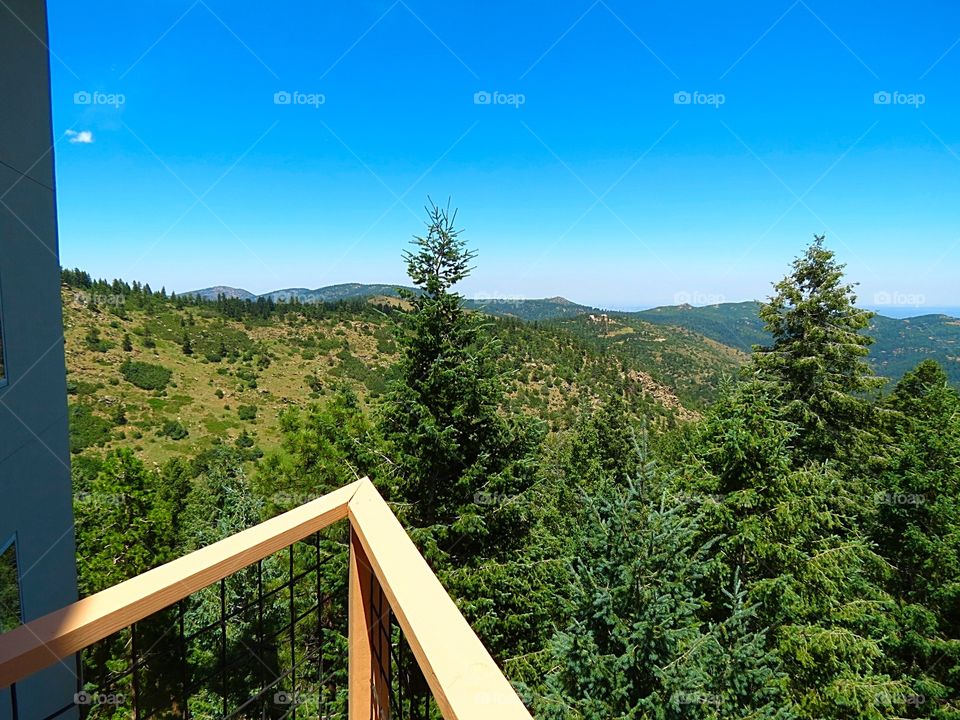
{"type": "Point", "coordinates": [174, 430]}
{"type": "Point", "coordinates": [87, 429]}
{"type": "Point", "coordinates": [146, 376]}
{"type": "Point", "coordinates": [94, 342]}
{"type": "Point", "coordinates": [247, 412]}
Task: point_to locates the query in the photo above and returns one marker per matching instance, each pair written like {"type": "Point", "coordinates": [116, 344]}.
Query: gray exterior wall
{"type": "Point", "coordinates": [35, 489]}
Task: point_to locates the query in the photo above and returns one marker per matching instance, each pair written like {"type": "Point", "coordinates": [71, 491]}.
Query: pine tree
{"type": "Point", "coordinates": [917, 530]}
{"type": "Point", "coordinates": [639, 644]}
{"type": "Point", "coordinates": [818, 355]}
{"type": "Point", "coordinates": [789, 530]}
{"type": "Point", "coordinates": [463, 466]}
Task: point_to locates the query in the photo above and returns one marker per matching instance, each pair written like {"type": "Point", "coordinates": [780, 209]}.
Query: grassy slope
{"type": "Point", "coordinates": [691, 365]}
{"type": "Point", "coordinates": [554, 371]}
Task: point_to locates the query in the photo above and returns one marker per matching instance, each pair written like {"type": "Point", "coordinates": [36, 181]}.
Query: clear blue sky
{"type": "Point", "coordinates": [600, 186]}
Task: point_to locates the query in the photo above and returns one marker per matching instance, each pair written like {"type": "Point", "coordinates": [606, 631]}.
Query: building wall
{"type": "Point", "coordinates": [35, 489]}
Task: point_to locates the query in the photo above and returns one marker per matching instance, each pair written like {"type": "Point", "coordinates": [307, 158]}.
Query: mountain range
{"type": "Point", "coordinates": [899, 343]}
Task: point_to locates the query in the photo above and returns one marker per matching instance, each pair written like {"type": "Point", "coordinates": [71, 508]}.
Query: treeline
{"type": "Point", "coordinates": [116, 295]}
{"type": "Point", "coordinates": [795, 554]}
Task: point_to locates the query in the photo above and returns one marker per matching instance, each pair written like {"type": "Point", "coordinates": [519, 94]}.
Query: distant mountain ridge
{"type": "Point", "coordinates": [212, 293]}
{"type": "Point", "coordinates": [329, 293]}
{"type": "Point", "coordinates": [522, 308]}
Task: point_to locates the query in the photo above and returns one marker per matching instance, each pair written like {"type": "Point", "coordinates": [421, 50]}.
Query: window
{"type": "Point", "coordinates": [10, 616]}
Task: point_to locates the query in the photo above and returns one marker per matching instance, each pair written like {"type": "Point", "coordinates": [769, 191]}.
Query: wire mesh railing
{"type": "Point", "coordinates": [269, 641]}
{"type": "Point", "coordinates": [327, 611]}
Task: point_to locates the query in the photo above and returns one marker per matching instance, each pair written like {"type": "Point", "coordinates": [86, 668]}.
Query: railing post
{"type": "Point", "coordinates": [368, 681]}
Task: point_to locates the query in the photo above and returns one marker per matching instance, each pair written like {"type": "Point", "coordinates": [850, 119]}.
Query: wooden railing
{"type": "Point", "coordinates": [465, 681]}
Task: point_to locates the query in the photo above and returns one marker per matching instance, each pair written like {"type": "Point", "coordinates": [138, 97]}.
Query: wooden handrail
{"type": "Point", "coordinates": [48, 639]}
{"type": "Point", "coordinates": [465, 681]}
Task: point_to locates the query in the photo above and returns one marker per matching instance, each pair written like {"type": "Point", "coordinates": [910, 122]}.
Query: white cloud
{"type": "Point", "coordinates": [84, 137]}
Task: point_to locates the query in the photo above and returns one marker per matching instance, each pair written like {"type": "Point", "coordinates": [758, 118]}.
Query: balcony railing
{"type": "Point", "coordinates": [245, 628]}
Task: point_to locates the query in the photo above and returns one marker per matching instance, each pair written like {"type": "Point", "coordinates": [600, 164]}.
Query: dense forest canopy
{"type": "Point", "coordinates": [786, 545]}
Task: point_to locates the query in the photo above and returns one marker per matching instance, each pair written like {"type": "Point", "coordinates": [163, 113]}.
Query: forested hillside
{"type": "Point", "coordinates": [899, 344]}
{"type": "Point", "coordinates": [634, 527]}
{"type": "Point", "coordinates": [168, 376]}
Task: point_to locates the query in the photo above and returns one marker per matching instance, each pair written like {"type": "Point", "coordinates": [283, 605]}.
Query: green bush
{"type": "Point", "coordinates": [247, 412]}
{"type": "Point", "coordinates": [146, 376]}
{"type": "Point", "coordinates": [94, 342]}
{"type": "Point", "coordinates": [87, 429]}
{"type": "Point", "coordinates": [174, 430]}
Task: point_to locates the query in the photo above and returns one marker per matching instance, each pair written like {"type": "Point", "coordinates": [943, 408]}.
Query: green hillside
{"type": "Point", "coordinates": [174, 376]}
{"type": "Point", "coordinates": [735, 324]}
{"type": "Point", "coordinates": [530, 309]}
{"type": "Point", "coordinates": [692, 365]}
{"type": "Point", "coordinates": [899, 344]}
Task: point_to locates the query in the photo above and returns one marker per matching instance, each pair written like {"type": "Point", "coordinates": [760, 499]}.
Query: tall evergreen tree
{"type": "Point", "coordinates": [817, 357]}
{"type": "Point", "coordinates": [788, 529]}
{"type": "Point", "coordinates": [917, 530]}
{"type": "Point", "coordinates": [463, 465]}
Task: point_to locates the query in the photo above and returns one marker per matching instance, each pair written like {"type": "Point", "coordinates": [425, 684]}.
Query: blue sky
{"type": "Point", "coordinates": [585, 175]}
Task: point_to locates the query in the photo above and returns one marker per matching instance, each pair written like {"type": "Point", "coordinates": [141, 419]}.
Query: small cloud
{"type": "Point", "coordinates": [84, 137]}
